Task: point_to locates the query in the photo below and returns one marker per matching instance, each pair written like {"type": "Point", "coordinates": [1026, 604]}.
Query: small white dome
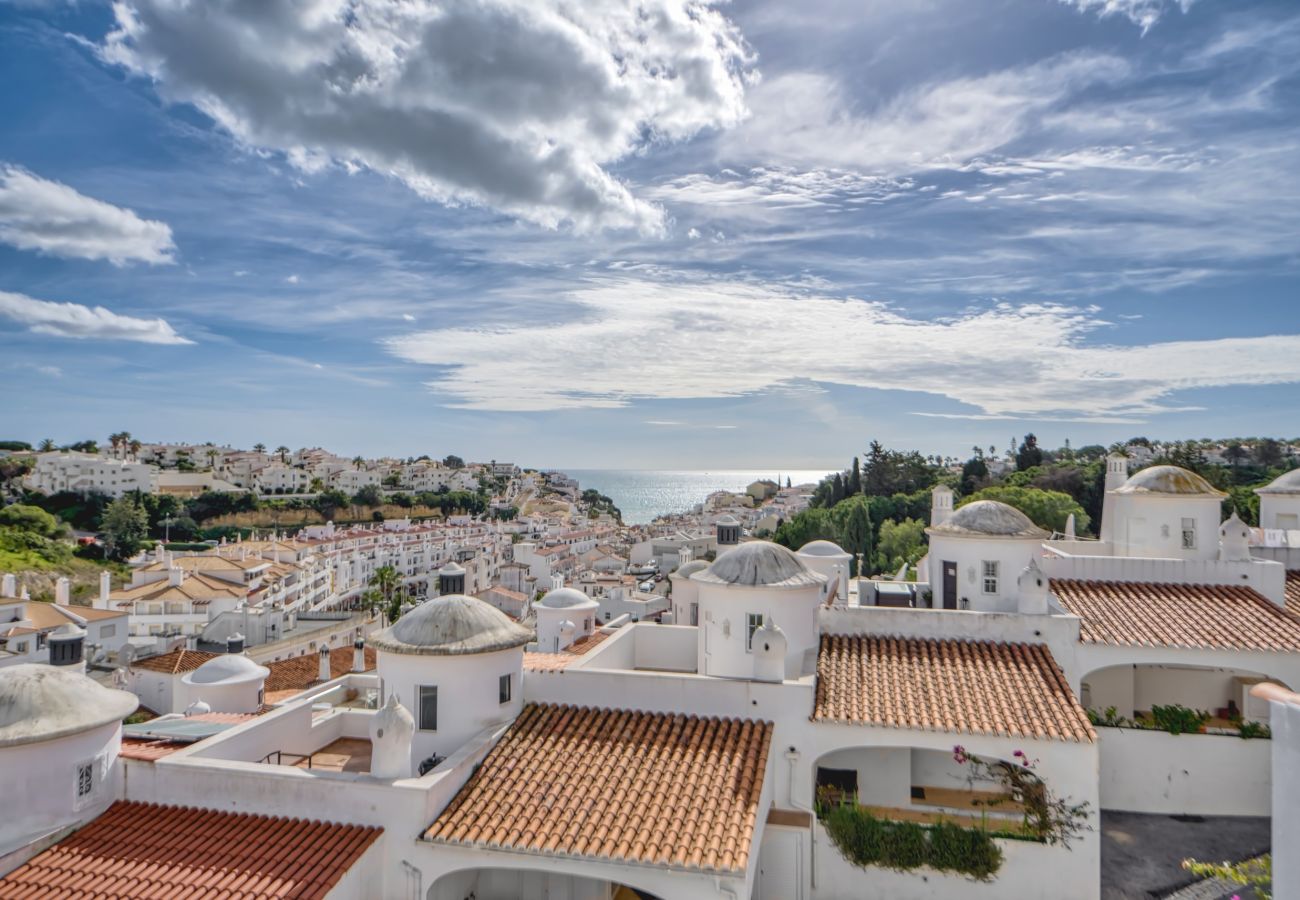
{"type": "Point", "coordinates": [1168, 480]}
{"type": "Point", "coordinates": [451, 626]}
{"type": "Point", "coordinates": [229, 668]}
{"type": "Point", "coordinates": [690, 568]}
{"type": "Point", "coordinates": [989, 518]}
{"type": "Point", "coordinates": [822, 548]}
{"type": "Point", "coordinates": [728, 520]}
{"type": "Point", "coordinates": [566, 598]}
{"type": "Point", "coordinates": [198, 708]}
{"type": "Point", "coordinates": [40, 702]}
{"type": "Point", "coordinates": [452, 568]}
{"type": "Point", "coordinates": [760, 564]}
{"type": "Point", "coordinates": [1286, 483]}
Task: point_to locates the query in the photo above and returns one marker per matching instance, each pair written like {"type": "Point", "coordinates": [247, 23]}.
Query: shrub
{"type": "Point", "coordinates": [1178, 719]}
{"type": "Point", "coordinates": [1248, 730]}
{"type": "Point", "coordinates": [866, 840]}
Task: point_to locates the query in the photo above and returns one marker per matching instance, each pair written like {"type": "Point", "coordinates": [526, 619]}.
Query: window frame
{"type": "Point", "coordinates": [1188, 533]}
{"type": "Point", "coordinates": [990, 574]}
{"type": "Point", "coordinates": [505, 689]}
{"type": "Point", "coordinates": [422, 693]}
{"type": "Point", "coordinates": [85, 783]}
{"type": "Point", "coordinates": [753, 622]}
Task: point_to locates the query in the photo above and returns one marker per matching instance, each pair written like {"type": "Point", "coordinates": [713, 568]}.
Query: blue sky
{"type": "Point", "coordinates": [665, 235]}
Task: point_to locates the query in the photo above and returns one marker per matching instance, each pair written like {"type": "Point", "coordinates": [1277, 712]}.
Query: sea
{"type": "Point", "coordinates": [642, 494]}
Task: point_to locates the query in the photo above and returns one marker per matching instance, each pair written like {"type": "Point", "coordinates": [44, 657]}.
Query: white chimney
{"type": "Point", "coordinates": [324, 673]}
{"type": "Point", "coordinates": [62, 593]}
{"type": "Point", "coordinates": [105, 589]}
{"type": "Point", "coordinates": [9, 585]}
{"type": "Point", "coordinates": [359, 655]}
{"type": "Point", "coordinates": [175, 576]}
{"type": "Point", "coordinates": [940, 505]}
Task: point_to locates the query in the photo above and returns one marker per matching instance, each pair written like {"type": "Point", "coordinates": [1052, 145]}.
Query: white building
{"type": "Point", "coordinates": [87, 473]}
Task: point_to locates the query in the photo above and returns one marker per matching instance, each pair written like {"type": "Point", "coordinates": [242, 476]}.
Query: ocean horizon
{"type": "Point", "coordinates": [643, 494]}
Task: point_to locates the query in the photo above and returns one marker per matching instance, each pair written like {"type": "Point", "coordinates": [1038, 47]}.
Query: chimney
{"type": "Point", "coordinates": [235, 643]}
{"type": "Point", "coordinates": [9, 585]}
{"type": "Point", "coordinates": [61, 592]}
{"type": "Point", "coordinates": [1116, 475]}
{"type": "Point", "coordinates": [940, 505]}
{"type": "Point", "coordinates": [105, 589]}
{"type": "Point", "coordinates": [359, 655]}
{"type": "Point", "coordinates": [324, 673]}
{"type": "Point", "coordinates": [175, 576]}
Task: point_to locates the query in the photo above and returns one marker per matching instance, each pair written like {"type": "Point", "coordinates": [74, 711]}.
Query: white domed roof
{"type": "Point", "coordinates": [728, 520]}
{"type": "Point", "coordinates": [40, 703]}
{"type": "Point", "coordinates": [760, 564]}
{"type": "Point", "coordinates": [451, 626]}
{"type": "Point", "coordinates": [229, 668]}
{"type": "Point", "coordinates": [1286, 483]}
{"type": "Point", "coordinates": [566, 598]}
{"type": "Point", "coordinates": [1168, 480]}
{"type": "Point", "coordinates": [695, 565]}
{"type": "Point", "coordinates": [822, 548]}
{"type": "Point", "coordinates": [989, 518]}
{"type": "Point", "coordinates": [452, 568]}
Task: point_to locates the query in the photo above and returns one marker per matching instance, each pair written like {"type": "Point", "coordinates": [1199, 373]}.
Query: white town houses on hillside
{"type": "Point", "coordinates": [719, 756]}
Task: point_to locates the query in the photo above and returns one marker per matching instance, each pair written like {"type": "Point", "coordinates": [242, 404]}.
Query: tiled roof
{"type": "Point", "coordinates": [1210, 617]}
{"type": "Point", "coordinates": [175, 662]}
{"type": "Point", "coordinates": [297, 673]}
{"type": "Point", "coordinates": [963, 687]}
{"type": "Point", "coordinates": [196, 586]}
{"type": "Point", "coordinates": [46, 616]}
{"type": "Point", "coordinates": [630, 787]}
{"type": "Point", "coordinates": [1293, 592]}
{"type": "Point", "coordinates": [554, 662]}
{"type": "Point", "coordinates": [149, 850]}
{"type": "Point", "coordinates": [153, 749]}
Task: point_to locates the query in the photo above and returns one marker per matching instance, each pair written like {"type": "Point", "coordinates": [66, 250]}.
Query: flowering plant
{"type": "Point", "coordinates": [1047, 817]}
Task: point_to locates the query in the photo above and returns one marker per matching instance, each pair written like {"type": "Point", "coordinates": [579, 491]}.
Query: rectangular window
{"type": "Point", "coordinates": [1189, 534]}
{"type": "Point", "coordinates": [503, 689]}
{"type": "Point", "coordinates": [752, 623]}
{"type": "Point", "coordinates": [85, 780]}
{"type": "Point", "coordinates": [428, 702]}
{"type": "Point", "coordinates": [990, 576]}
{"type": "Point", "coordinates": [107, 631]}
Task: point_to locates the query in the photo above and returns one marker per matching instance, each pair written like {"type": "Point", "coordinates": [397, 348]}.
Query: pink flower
{"type": "Point", "coordinates": [959, 754]}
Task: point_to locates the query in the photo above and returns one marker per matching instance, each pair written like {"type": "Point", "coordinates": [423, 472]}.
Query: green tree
{"type": "Point", "coordinates": [855, 478]}
{"type": "Point", "coordinates": [283, 452]}
{"type": "Point", "coordinates": [856, 535]}
{"type": "Point", "coordinates": [1029, 454]}
{"type": "Point", "coordinates": [47, 444]}
{"type": "Point", "coordinates": [33, 520]}
{"type": "Point", "coordinates": [1234, 453]}
{"type": "Point", "coordinates": [326, 502]}
{"type": "Point", "coordinates": [124, 525]}
{"type": "Point", "coordinates": [452, 461]}
{"type": "Point", "coordinates": [370, 495]}
{"type": "Point", "coordinates": [1268, 452]}
{"type": "Point", "coordinates": [1046, 509]}
{"type": "Point", "coordinates": [901, 542]}
{"type": "Point", "coordinates": [387, 592]}
{"type": "Point", "coordinates": [259, 448]}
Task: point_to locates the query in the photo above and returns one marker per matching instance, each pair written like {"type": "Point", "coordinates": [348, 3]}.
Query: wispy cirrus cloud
{"type": "Point", "coordinates": [1143, 13]}
{"type": "Point", "coordinates": [73, 320]}
{"type": "Point", "coordinates": [516, 107]}
{"type": "Point", "coordinates": [55, 219]}
{"type": "Point", "coordinates": [718, 338]}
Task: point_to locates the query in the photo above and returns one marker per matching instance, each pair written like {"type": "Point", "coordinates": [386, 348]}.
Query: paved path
{"type": "Point", "coordinates": [1141, 855]}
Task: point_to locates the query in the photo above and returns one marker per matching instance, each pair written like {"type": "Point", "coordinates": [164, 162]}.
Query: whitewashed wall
{"type": "Point", "coordinates": [1195, 774]}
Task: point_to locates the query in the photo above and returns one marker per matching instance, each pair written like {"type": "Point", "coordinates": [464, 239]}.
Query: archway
{"type": "Point", "coordinates": [529, 884]}
{"type": "Point", "coordinates": [1131, 691]}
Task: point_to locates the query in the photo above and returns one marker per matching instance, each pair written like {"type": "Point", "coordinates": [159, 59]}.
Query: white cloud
{"type": "Point", "coordinates": [806, 119]}
{"type": "Point", "coordinates": [1143, 13]}
{"type": "Point", "coordinates": [512, 105]}
{"type": "Point", "coordinates": [52, 218]}
{"type": "Point", "coordinates": [293, 279]}
{"type": "Point", "coordinates": [719, 339]}
{"type": "Point", "coordinates": [407, 317]}
{"type": "Point", "coordinates": [72, 320]}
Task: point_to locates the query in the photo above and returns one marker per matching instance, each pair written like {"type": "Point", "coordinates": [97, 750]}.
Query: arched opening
{"type": "Point", "coordinates": [512, 884]}
{"type": "Point", "coordinates": [1137, 693]}
{"type": "Point", "coordinates": [917, 784]}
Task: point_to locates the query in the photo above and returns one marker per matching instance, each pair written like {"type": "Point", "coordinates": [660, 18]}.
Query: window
{"type": "Point", "coordinates": [107, 631]}
{"type": "Point", "coordinates": [1189, 534]}
{"type": "Point", "coordinates": [503, 689]}
{"type": "Point", "coordinates": [990, 576]}
{"type": "Point", "coordinates": [695, 614]}
{"type": "Point", "coordinates": [752, 623]}
{"type": "Point", "coordinates": [428, 703]}
{"type": "Point", "coordinates": [85, 780]}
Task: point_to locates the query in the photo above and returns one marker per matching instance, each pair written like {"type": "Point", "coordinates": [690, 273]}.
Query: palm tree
{"type": "Point", "coordinates": [47, 444]}
{"type": "Point", "coordinates": [259, 448]}
{"type": "Point", "coordinates": [387, 592]}
{"type": "Point", "coordinates": [212, 457]}
{"type": "Point", "coordinates": [135, 447]}
{"type": "Point", "coordinates": [358, 462]}
{"type": "Point", "coordinates": [283, 451]}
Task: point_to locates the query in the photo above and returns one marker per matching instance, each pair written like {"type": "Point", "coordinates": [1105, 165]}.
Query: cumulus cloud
{"type": "Point", "coordinates": [726, 339]}
{"type": "Point", "coordinates": [1143, 13]}
{"type": "Point", "coordinates": [518, 106]}
{"type": "Point", "coordinates": [806, 118]}
{"type": "Point", "coordinates": [52, 218]}
{"type": "Point", "coordinates": [72, 320]}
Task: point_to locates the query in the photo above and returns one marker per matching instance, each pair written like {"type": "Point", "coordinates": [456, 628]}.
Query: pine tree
{"type": "Point", "coordinates": [855, 479]}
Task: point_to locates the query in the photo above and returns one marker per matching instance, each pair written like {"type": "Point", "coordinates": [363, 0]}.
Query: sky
{"type": "Point", "coordinates": [661, 234]}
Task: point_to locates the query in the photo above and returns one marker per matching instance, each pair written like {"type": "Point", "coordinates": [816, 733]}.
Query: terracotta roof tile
{"type": "Point", "coordinates": [148, 850]}
{"type": "Point", "coordinates": [1293, 592]}
{"type": "Point", "coordinates": [555, 662]}
{"type": "Point", "coordinates": [153, 749]}
{"type": "Point", "coordinates": [175, 662]}
{"type": "Point", "coordinates": [670, 790]}
{"type": "Point", "coordinates": [963, 687]}
{"type": "Point", "coordinates": [1202, 616]}
{"type": "Point", "coordinates": [297, 673]}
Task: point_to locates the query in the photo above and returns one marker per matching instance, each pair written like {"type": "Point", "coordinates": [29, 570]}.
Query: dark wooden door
{"type": "Point", "coordinates": [949, 585]}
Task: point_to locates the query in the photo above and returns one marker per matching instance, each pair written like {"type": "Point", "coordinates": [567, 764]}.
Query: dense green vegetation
{"type": "Point", "coordinates": [866, 840]}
